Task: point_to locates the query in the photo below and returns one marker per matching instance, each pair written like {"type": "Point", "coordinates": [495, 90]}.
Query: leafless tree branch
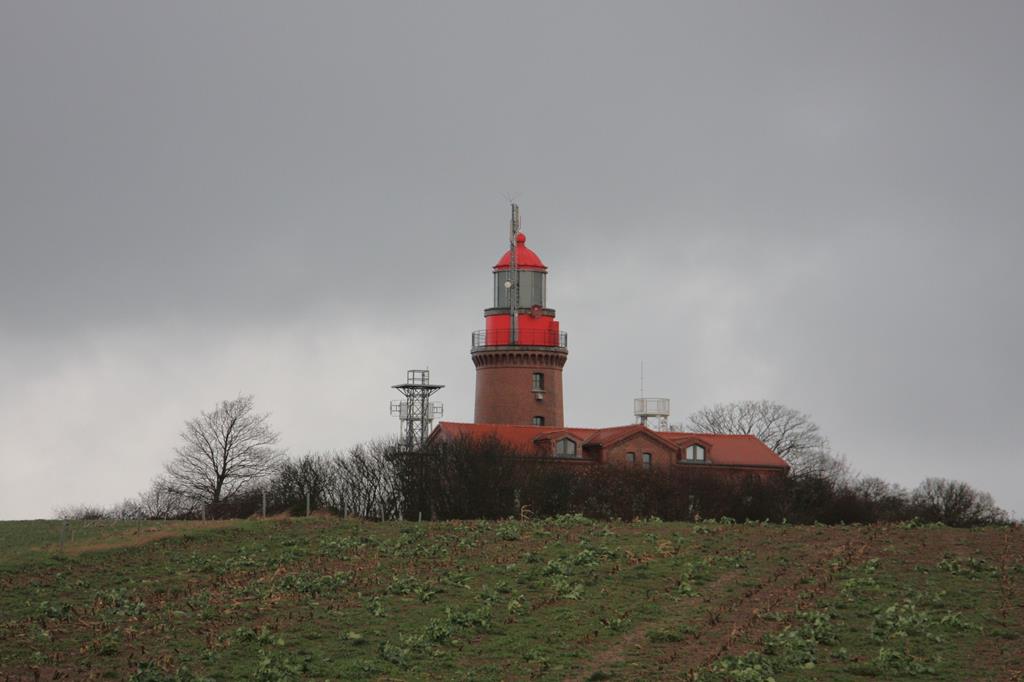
{"type": "Point", "coordinates": [223, 452]}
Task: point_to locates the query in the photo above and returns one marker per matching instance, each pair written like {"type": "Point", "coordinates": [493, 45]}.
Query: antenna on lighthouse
{"type": "Point", "coordinates": [513, 275]}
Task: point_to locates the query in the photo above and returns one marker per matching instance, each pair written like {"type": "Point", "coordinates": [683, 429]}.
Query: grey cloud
{"type": "Point", "coordinates": [814, 203]}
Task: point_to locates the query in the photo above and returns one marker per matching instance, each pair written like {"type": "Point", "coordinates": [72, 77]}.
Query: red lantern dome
{"type": "Point", "coordinates": [525, 258]}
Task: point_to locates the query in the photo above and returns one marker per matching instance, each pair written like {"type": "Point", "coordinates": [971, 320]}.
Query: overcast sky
{"type": "Point", "coordinates": [815, 203]}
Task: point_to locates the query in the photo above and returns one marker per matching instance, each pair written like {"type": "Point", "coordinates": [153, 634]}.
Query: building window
{"type": "Point", "coordinates": [695, 453]}
{"type": "Point", "coordinates": [631, 457]}
{"type": "Point", "coordinates": [538, 381]}
{"type": "Point", "coordinates": [647, 460]}
{"type": "Point", "coordinates": [538, 421]}
{"type": "Point", "coordinates": [565, 448]}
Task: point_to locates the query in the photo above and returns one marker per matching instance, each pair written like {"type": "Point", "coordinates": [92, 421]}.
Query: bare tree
{"type": "Point", "coordinates": [223, 451]}
{"type": "Point", "coordinates": [955, 503]}
{"type": "Point", "coordinates": [81, 512]}
{"type": "Point", "coordinates": [365, 480]}
{"type": "Point", "coordinates": [889, 500]}
{"type": "Point", "coordinates": [789, 433]}
{"type": "Point", "coordinates": [164, 501]}
{"type": "Point", "coordinates": [313, 474]}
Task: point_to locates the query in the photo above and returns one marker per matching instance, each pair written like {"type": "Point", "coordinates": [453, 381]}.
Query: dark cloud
{"type": "Point", "coordinates": [814, 203]}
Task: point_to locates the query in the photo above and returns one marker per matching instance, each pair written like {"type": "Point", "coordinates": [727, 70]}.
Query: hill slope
{"type": "Point", "coordinates": [566, 598]}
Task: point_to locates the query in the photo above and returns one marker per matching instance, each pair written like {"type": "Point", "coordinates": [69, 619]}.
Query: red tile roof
{"type": "Point", "coordinates": [610, 436]}
{"type": "Point", "coordinates": [726, 450]}
{"type": "Point", "coordinates": [519, 437]}
{"type": "Point", "coordinates": [738, 450]}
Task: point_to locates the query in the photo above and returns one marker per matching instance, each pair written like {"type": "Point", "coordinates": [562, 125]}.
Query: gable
{"type": "Point", "coordinates": [605, 438]}
{"type": "Point", "coordinates": [692, 439]}
{"type": "Point", "coordinates": [639, 441]}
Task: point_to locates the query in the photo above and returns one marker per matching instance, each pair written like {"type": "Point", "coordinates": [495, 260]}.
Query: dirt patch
{"type": "Point", "coordinates": [132, 537]}
{"type": "Point", "coordinates": [135, 540]}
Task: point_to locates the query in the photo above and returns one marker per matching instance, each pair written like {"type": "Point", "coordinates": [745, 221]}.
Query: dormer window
{"type": "Point", "coordinates": [566, 447]}
{"type": "Point", "coordinates": [695, 453]}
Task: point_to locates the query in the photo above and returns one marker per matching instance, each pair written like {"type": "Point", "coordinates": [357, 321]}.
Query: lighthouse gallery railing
{"type": "Point", "coordinates": [527, 337]}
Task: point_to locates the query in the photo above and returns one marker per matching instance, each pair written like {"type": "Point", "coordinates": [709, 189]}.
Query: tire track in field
{"type": "Point", "coordinates": [751, 627]}
{"type": "Point", "coordinates": [615, 651]}
{"type": "Point", "coordinates": [1008, 660]}
{"type": "Point", "coordinates": [1010, 666]}
{"type": "Point", "coordinates": [739, 618]}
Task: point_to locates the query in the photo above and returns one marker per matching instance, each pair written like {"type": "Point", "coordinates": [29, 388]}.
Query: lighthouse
{"type": "Point", "coordinates": [519, 356]}
{"type": "Point", "coordinates": [520, 353]}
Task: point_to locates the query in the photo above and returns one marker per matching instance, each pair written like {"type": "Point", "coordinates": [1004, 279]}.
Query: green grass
{"type": "Point", "coordinates": [32, 542]}
{"type": "Point", "coordinates": [323, 598]}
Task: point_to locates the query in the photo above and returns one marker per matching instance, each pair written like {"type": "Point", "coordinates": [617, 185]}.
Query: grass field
{"type": "Point", "coordinates": [565, 598]}
{"type": "Point", "coordinates": [33, 542]}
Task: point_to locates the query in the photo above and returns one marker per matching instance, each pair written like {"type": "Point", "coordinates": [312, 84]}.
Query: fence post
{"type": "Point", "coordinates": [344, 508]}
{"type": "Point", "coordinates": [264, 503]}
{"type": "Point", "coordinates": [419, 519]}
{"type": "Point", "coordinates": [204, 511]}
{"type": "Point", "coordinates": [307, 503]}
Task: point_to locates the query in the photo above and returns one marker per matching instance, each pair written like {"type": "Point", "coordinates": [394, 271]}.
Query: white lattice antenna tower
{"type": "Point", "coordinates": [417, 412]}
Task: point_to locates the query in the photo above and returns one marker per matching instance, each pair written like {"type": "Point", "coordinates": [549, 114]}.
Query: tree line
{"type": "Point", "coordinates": [228, 466]}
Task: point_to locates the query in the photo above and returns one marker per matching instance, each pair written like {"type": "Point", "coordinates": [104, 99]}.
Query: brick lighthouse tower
{"type": "Point", "coordinates": [520, 354]}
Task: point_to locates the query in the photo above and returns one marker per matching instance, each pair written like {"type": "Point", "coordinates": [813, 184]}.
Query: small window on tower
{"type": "Point", "coordinates": [538, 381]}
{"type": "Point", "coordinates": [538, 421]}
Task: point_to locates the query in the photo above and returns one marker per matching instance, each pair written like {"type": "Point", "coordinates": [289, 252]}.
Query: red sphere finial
{"type": "Point", "coordinates": [520, 238]}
